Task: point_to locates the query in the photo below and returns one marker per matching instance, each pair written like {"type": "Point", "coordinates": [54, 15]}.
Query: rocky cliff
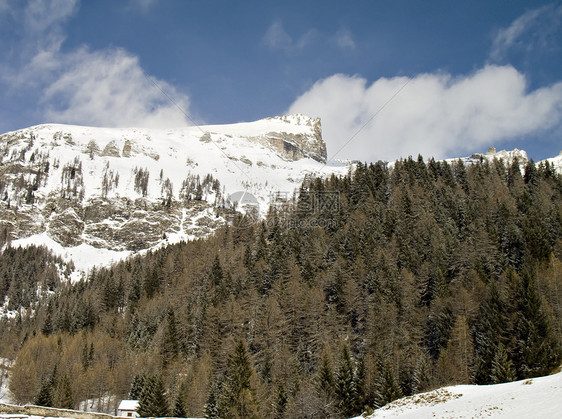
{"type": "Point", "coordinates": [125, 190]}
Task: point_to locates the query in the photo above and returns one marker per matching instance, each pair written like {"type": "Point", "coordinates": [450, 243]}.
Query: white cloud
{"type": "Point", "coordinates": [435, 114]}
{"type": "Point", "coordinates": [344, 39]}
{"type": "Point", "coordinates": [530, 30]}
{"type": "Point", "coordinates": [277, 38]}
{"type": "Point", "coordinates": [44, 14]}
{"type": "Point", "coordinates": [109, 88]}
{"type": "Point", "coordinates": [104, 88]}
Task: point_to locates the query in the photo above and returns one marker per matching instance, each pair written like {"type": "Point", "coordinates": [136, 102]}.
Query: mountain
{"type": "Point", "coordinates": [532, 398]}
{"type": "Point", "coordinates": [418, 276]}
{"type": "Point", "coordinates": [95, 195]}
{"type": "Point", "coordinates": [98, 195]}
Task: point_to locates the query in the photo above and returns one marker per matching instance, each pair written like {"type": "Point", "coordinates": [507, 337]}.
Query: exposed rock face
{"type": "Point", "coordinates": [111, 149]}
{"type": "Point", "coordinates": [130, 189]}
{"type": "Point", "coordinates": [66, 228]}
{"type": "Point", "coordinates": [127, 147]}
{"type": "Point", "coordinates": [295, 146]}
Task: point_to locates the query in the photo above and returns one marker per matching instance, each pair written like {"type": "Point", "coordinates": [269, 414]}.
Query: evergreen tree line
{"type": "Point", "coordinates": [417, 276]}
{"type": "Point", "coordinates": [27, 272]}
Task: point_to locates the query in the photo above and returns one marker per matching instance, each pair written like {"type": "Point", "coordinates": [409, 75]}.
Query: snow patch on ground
{"type": "Point", "coordinates": [5, 394]}
{"type": "Point", "coordinates": [84, 256]}
{"type": "Point", "coordinates": [539, 397]}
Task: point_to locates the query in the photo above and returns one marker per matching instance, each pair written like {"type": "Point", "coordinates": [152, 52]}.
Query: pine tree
{"type": "Point", "coordinates": [152, 400]}
{"type": "Point", "coordinates": [537, 347]}
{"type": "Point", "coordinates": [170, 346]}
{"type": "Point", "coordinates": [136, 386]}
{"type": "Point", "coordinates": [359, 379]}
{"type": "Point", "coordinates": [238, 385]}
{"type": "Point", "coordinates": [47, 328]}
{"type": "Point", "coordinates": [491, 328]}
{"type": "Point", "coordinates": [179, 407]}
{"type": "Point", "coordinates": [214, 408]}
{"type": "Point", "coordinates": [344, 383]}
{"type": "Point", "coordinates": [325, 378]}
{"type": "Point", "coordinates": [387, 388]}
{"type": "Point", "coordinates": [219, 402]}
{"type": "Point", "coordinates": [44, 396]}
{"type": "Point", "coordinates": [502, 367]}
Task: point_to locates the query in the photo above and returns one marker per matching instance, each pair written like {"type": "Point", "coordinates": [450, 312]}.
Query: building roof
{"type": "Point", "coordinates": [128, 405]}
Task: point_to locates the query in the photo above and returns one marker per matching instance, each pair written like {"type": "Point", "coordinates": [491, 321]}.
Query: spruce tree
{"type": "Point", "coordinates": [136, 386]}
{"type": "Point", "coordinates": [170, 345]}
{"type": "Point", "coordinates": [502, 367]}
{"type": "Point", "coordinates": [238, 385]}
{"type": "Point", "coordinates": [213, 407]}
{"type": "Point", "coordinates": [325, 378]}
{"type": "Point", "coordinates": [491, 328]}
{"type": "Point", "coordinates": [537, 347]}
{"type": "Point", "coordinates": [344, 383]}
{"type": "Point", "coordinates": [387, 388]}
{"type": "Point", "coordinates": [152, 400]}
{"type": "Point", "coordinates": [179, 407]}
{"type": "Point", "coordinates": [44, 396]}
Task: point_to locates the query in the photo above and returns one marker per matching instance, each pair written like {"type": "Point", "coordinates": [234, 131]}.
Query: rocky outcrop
{"type": "Point", "coordinates": [132, 189]}
{"type": "Point", "coordinates": [293, 146]}
{"type": "Point", "coordinates": [127, 148]}
{"type": "Point", "coordinates": [66, 228]}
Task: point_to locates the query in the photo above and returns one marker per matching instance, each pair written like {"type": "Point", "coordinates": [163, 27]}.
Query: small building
{"type": "Point", "coordinates": [128, 409]}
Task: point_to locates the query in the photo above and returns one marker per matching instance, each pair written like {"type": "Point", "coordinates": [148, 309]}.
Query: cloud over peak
{"type": "Point", "coordinates": [436, 114]}
{"type": "Point", "coordinates": [109, 88]}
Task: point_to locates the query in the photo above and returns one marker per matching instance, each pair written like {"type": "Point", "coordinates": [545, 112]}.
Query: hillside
{"type": "Point", "coordinates": [385, 282]}
{"type": "Point", "coordinates": [533, 398]}
{"type": "Point", "coordinates": [97, 195]}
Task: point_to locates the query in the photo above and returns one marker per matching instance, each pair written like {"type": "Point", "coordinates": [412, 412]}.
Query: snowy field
{"type": "Point", "coordinates": [539, 397]}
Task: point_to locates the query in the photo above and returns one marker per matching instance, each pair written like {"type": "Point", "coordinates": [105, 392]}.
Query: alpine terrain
{"type": "Point", "coordinates": [95, 195]}
{"type": "Point", "coordinates": [229, 272]}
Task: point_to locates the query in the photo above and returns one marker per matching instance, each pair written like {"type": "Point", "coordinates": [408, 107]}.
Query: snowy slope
{"type": "Point", "coordinates": [539, 397]}
{"type": "Point", "coordinates": [556, 162]}
{"type": "Point", "coordinates": [97, 195]}
{"type": "Point", "coordinates": [492, 153]}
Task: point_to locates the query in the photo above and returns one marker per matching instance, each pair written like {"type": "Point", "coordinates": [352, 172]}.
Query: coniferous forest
{"type": "Point", "coordinates": [379, 284]}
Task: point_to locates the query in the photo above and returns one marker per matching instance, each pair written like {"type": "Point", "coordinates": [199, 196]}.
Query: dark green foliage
{"type": "Point", "coordinates": [489, 332]}
{"type": "Point", "coordinates": [345, 385]}
{"type": "Point", "coordinates": [239, 391]}
{"type": "Point", "coordinates": [537, 348]}
{"type": "Point", "coordinates": [179, 407]}
{"type": "Point", "coordinates": [44, 396]}
{"type": "Point", "coordinates": [431, 274]}
{"type": "Point", "coordinates": [387, 388]}
{"type": "Point", "coordinates": [152, 400]}
{"type": "Point", "coordinates": [325, 378]}
{"type": "Point", "coordinates": [170, 346]}
{"type": "Point", "coordinates": [502, 367]}
{"type": "Point", "coordinates": [136, 386]}
{"type": "Point", "coordinates": [215, 407]}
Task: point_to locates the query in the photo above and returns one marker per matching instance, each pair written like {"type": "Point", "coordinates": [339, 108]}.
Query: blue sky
{"type": "Point", "coordinates": [400, 77]}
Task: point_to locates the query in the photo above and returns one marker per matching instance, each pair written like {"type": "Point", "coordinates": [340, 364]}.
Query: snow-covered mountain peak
{"type": "Point", "coordinates": [111, 191]}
